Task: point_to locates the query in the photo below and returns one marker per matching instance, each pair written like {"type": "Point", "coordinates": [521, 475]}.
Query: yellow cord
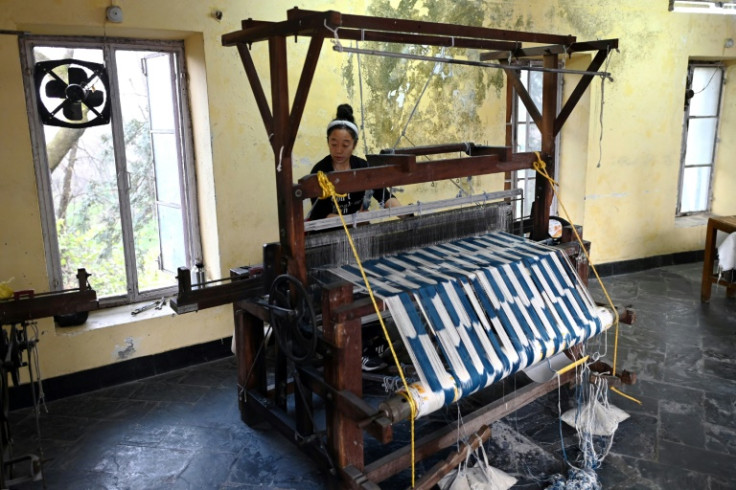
{"type": "Point", "coordinates": [541, 167]}
{"type": "Point", "coordinates": [328, 191]}
{"type": "Point", "coordinates": [572, 365]}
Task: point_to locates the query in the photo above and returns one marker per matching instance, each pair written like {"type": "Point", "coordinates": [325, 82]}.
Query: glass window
{"type": "Point", "coordinates": [113, 195]}
{"type": "Point", "coordinates": [700, 132]}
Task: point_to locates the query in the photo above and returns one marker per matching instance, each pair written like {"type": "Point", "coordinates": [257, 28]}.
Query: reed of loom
{"type": "Point", "coordinates": [264, 396]}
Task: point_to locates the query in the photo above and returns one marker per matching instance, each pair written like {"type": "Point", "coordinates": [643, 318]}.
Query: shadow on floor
{"type": "Point", "coordinates": [182, 430]}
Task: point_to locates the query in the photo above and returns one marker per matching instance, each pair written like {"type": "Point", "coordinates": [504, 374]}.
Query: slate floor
{"type": "Point", "coordinates": [182, 430]}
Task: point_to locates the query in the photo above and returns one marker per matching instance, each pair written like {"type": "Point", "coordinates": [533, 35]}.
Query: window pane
{"type": "Point", "coordinates": [87, 208]}
{"type": "Point", "coordinates": [166, 155]}
{"type": "Point", "coordinates": [534, 141]}
{"type": "Point", "coordinates": [525, 182]}
{"type": "Point", "coordinates": [535, 87]}
{"type": "Point", "coordinates": [701, 137]}
{"type": "Point", "coordinates": [158, 68]}
{"type": "Point", "coordinates": [83, 178]}
{"type": "Point", "coordinates": [706, 85]}
{"type": "Point", "coordinates": [695, 188]}
{"type": "Point", "coordinates": [172, 229]}
{"type": "Point", "coordinates": [521, 137]}
{"type": "Point", "coordinates": [167, 168]}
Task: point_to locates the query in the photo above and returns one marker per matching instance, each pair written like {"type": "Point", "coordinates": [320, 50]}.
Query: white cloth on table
{"type": "Point", "coordinates": [727, 253]}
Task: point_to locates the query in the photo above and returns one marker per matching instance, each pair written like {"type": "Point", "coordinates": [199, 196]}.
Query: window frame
{"type": "Point", "coordinates": [685, 126]}
{"type": "Point", "coordinates": [188, 181]}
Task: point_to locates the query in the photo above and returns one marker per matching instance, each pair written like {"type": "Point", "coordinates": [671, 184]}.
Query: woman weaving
{"type": "Point", "coordinates": [342, 136]}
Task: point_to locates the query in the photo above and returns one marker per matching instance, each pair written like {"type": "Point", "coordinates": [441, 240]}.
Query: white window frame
{"type": "Point", "coordinates": [706, 161]}
{"type": "Point", "coordinates": [186, 155]}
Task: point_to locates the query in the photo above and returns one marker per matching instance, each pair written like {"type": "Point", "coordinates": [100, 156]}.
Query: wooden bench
{"type": "Point", "coordinates": [726, 224]}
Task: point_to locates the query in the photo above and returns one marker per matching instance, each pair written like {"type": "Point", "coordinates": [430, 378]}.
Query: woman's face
{"type": "Point", "coordinates": [341, 145]}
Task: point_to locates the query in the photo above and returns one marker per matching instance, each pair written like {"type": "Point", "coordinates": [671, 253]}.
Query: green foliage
{"type": "Point", "coordinates": [449, 109]}
{"type": "Point", "coordinates": [90, 233]}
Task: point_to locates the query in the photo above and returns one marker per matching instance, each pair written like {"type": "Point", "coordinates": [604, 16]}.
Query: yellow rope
{"type": "Point", "coordinates": [328, 191]}
{"type": "Point", "coordinates": [541, 167]}
{"type": "Point", "coordinates": [572, 365]}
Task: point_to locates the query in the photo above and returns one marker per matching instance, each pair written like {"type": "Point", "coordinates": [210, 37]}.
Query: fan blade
{"type": "Point", "coordinates": [55, 88]}
{"type": "Point", "coordinates": [73, 110]}
{"type": "Point", "coordinates": [77, 76]}
{"type": "Point", "coordinates": [94, 98]}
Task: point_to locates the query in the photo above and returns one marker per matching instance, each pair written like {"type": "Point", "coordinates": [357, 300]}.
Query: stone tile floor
{"type": "Point", "coordinates": [182, 430]}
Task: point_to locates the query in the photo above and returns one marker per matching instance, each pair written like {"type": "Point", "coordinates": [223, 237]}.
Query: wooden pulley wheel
{"type": "Point", "coordinates": [292, 318]}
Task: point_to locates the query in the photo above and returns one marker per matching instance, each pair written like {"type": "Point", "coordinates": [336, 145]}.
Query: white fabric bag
{"type": "Point", "coordinates": [480, 476]}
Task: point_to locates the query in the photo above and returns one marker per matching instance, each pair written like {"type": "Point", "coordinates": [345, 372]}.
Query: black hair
{"type": "Point", "coordinates": [344, 113]}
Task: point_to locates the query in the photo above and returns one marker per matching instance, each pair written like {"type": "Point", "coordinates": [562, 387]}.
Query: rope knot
{"type": "Point", "coordinates": [328, 188]}
{"type": "Point", "coordinates": [540, 164]}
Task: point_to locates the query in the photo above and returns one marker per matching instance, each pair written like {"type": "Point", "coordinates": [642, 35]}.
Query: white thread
{"type": "Point", "coordinates": [281, 154]}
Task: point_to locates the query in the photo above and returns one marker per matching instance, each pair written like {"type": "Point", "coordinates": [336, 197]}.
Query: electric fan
{"type": "Point", "coordinates": [72, 93]}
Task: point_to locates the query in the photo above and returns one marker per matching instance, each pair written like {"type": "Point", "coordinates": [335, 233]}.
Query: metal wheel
{"type": "Point", "coordinates": [292, 318]}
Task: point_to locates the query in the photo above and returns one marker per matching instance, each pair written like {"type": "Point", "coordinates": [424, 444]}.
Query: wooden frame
{"type": "Point", "coordinates": [340, 383]}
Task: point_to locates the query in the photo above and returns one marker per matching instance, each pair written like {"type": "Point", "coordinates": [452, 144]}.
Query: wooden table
{"type": "Point", "coordinates": [726, 224]}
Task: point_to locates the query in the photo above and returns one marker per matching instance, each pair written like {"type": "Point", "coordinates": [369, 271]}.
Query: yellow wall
{"type": "Point", "coordinates": [626, 203]}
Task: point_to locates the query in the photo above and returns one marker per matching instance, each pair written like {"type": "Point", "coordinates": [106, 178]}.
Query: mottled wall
{"type": "Point", "coordinates": [626, 203]}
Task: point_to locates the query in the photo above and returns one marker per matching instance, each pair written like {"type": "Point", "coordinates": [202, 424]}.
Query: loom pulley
{"type": "Point", "coordinates": [292, 318]}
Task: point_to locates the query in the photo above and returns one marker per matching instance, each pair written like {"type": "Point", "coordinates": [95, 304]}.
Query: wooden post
{"type": "Point", "coordinates": [543, 190]}
{"type": "Point", "coordinates": [251, 365]}
{"type": "Point", "coordinates": [290, 212]}
{"type": "Point", "coordinates": [343, 372]}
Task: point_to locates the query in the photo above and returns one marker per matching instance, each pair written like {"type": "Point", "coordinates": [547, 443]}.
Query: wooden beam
{"type": "Point", "coordinates": [261, 31]}
{"type": "Point", "coordinates": [302, 91]}
{"type": "Point", "coordinates": [523, 93]}
{"type": "Point", "coordinates": [394, 462]}
{"type": "Point", "coordinates": [306, 22]}
{"type": "Point", "coordinates": [393, 175]}
{"type": "Point", "coordinates": [437, 28]}
{"type": "Point", "coordinates": [256, 87]}
{"type": "Point", "coordinates": [543, 190]}
{"type": "Point", "coordinates": [290, 211]}
{"type": "Point", "coordinates": [503, 152]}
{"type": "Point", "coordinates": [579, 90]}
{"type": "Point", "coordinates": [342, 372]}
{"type": "Point", "coordinates": [537, 51]}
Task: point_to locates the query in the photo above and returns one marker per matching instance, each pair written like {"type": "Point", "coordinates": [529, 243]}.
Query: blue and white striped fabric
{"type": "Point", "coordinates": [474, 310]}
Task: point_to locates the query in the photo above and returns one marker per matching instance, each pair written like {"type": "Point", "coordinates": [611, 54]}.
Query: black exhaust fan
{"type": "Point", "coordinates": [75, 84]}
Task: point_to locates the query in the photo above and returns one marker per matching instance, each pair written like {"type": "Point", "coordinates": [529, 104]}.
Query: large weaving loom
{"type": "Point", "coordinates": [472, 303]}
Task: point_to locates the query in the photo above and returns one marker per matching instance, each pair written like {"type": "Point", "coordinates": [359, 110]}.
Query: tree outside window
{"type": "Point", "coordinates": [117, 198]}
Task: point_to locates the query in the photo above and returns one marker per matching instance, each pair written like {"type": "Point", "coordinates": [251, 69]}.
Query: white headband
{"type": "Point", "coordinates": [344, 122]}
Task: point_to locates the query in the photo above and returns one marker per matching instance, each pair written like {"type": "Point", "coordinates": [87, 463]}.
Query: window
{"type": "Point", "coordinates": [526, 136]}
{"type": "Point", "coordinates": [117, 198]}
{"type": "Point", "coordinates": [700, 133]}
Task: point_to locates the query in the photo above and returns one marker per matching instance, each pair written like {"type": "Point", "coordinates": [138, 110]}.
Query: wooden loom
{"type": "Point", "coordinates": [285, 397]}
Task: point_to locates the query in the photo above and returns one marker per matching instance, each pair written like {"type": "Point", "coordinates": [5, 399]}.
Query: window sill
{"type": "Point", "coordinates": [691, 221]}
{"type": "Point", "coordinates": [118, 315]}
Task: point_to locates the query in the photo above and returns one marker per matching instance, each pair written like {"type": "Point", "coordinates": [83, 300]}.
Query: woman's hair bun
{"type": "Point", "coordinates": [345, 111]}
